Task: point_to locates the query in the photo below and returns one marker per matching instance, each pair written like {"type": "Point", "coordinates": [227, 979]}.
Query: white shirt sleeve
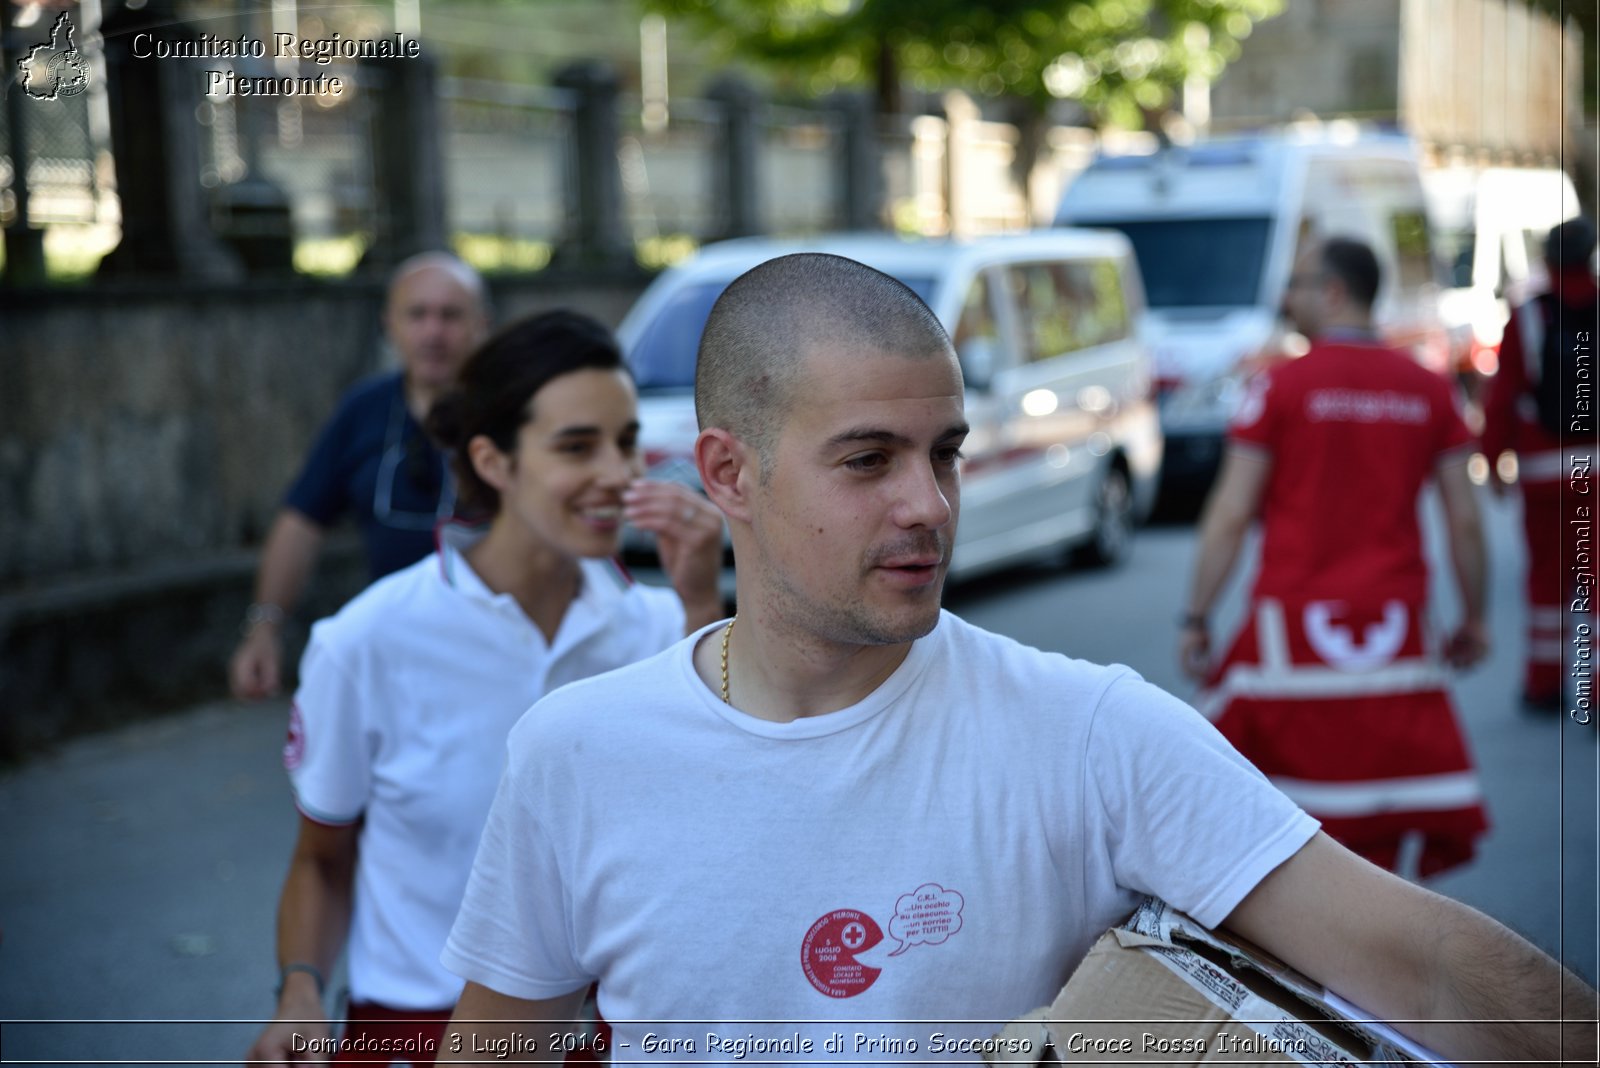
{"type": "Point", "coordinates": [1186, 818]}
{"type": "Point", "coordinates": [331, 769]}
{"type": "Point", "coordinates": [514, 931]}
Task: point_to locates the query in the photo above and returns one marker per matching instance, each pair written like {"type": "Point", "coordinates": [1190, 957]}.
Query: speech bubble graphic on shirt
{"type": "Point", "coordinates": [928, 915]}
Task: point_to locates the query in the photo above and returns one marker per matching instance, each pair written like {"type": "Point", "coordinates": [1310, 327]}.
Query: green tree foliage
{"type": "Point", "coordinates": [1120, 58]}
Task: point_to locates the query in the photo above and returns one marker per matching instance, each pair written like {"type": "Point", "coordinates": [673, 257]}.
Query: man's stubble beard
{"type": "Point", "coordinates": [852, 622]}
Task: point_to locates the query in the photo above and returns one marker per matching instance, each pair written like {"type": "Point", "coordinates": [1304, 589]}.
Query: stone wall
{"type": "Point", "coordinates": [146, 438]}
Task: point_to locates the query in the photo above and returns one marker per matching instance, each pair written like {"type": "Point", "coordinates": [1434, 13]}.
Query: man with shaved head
{"type": "Point", "coordinates": [747, 369]}
{"type": "Point", "coordinates": [846, 806]}
{"type": "Point", "coordinates": [372, 460]}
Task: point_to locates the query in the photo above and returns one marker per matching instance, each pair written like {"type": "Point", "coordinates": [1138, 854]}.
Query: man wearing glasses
{"type": "Point", "coordinates": [372, 459]}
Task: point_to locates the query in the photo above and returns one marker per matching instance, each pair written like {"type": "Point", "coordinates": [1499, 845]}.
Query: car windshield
{"type": "Point", "coordinates": [1199, 263]}
{"type": "Point", "coordinates": [663, 358]}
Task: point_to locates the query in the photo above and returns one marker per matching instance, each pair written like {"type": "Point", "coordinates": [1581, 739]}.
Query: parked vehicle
{"type": "Point", "coordinates": [1217, 226]}
{"type": "Point", "coordinates": [1492, 224]}
{"type": "Point", "coordinates": [1065, 448]}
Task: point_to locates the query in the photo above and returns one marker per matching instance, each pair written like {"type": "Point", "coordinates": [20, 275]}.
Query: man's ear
{"type": "Point", "coordinates": [729, 469]}
{"type": "Point", "coordinates": [1338, 293]}
{"type": "Point", "coordinates": [492, 465]}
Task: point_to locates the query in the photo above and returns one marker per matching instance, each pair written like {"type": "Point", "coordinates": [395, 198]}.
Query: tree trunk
{"type": "Point", "coordinates": [889, 100]}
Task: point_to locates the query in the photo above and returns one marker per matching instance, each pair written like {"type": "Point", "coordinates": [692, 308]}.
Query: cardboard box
{"type": "Point", "coordinates": [1162, 989]}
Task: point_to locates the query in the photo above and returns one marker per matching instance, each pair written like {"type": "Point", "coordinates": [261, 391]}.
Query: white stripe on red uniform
{"type": "Point", "coordinates": [1544, 615]}
{"type": "Point", "coordinates": [1546, 651]}
{"type": "Point", "coordinates": [1296, 682]}
{"type": "Point", "coordinates": [1423, 793]}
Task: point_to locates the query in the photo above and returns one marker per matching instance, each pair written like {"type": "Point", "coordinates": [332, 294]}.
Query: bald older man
{"type": "Point", "coordinates": [372, 460]}
{"type": "Point", "coordinates": [846, 806]}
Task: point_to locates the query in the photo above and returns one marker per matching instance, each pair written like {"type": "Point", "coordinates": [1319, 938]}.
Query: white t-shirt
{"type": "Point", "coordinates": [945, 850]}
{"type": "Point", "coordinates": [405, 701]}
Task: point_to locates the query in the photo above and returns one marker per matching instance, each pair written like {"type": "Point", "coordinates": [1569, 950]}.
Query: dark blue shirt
{"type": "Point", "coordinates": [374, 460]}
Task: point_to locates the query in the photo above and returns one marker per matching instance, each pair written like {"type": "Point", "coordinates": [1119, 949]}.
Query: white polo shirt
{"type": "Point", "coordinates": [405, 701]}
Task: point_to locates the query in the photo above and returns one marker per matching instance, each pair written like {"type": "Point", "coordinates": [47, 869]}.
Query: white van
{"type": "Point", "coordinates": [1065, 445]}
{"type": "Point", "coordinates": [1491, 223]}
{"type": "Point", "coordinates": [1217, 226]}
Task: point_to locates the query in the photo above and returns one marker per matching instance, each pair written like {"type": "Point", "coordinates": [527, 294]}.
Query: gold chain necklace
{"type": "Point", "coordinates": [726, 634]}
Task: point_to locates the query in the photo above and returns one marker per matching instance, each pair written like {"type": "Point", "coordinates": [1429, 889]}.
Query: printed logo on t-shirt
{"type": "Point", "coordinates": [828, 953]}
{"type": "Point", "coordinates": [1366, 406]}
{"type": "Point", "coordinates": [841, 952]}
{"type": "Point", "coordinates": [294, 747]}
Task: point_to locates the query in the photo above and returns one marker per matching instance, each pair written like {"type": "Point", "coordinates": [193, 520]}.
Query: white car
{"type": "Point", "coordinates": [1065, 449]}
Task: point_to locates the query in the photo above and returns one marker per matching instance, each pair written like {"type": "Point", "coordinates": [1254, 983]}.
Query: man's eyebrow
{"type": "Point", "coordinates": [878, 436]}
{"type": "Point", "coordinates": [867, 435]}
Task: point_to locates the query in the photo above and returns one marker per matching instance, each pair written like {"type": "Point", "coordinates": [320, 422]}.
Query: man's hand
{"type": "Point", "coordinates": [1468, 645]}
{"type": "Point", "coordinates": [1194, 651]}
{"type": "Point", "coordinates": [300, 1014]}
{"type": "Point", "coordinates": [255, 671]}
{"type": "Point", "coordinates": [1230, 510]}
{"type": "Point", "coordinates": [688, 530]}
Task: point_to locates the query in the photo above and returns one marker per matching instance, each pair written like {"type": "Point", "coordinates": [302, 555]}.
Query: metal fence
{"type": "Point", "coordinates": [316, 150]}
{"type": "Point", "coordinates": [510, 166]}
{"type": "Point", "coordinates": [668, 183]}
{"type": "Point", "coordinates": [508, 158]}
{"type": "Point", "coordinates": [63, 179]}
{"type": "Point", "coordinates": [799, 169]}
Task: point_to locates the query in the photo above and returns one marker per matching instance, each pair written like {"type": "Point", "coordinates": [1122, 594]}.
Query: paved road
{"type": "Point", "coordinates": [139, 869]}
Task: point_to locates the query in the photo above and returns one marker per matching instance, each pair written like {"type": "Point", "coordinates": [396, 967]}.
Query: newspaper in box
{"type": "Point", "coordinates": [1162, 989]}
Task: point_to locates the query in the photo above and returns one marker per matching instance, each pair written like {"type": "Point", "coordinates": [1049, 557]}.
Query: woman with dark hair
{"type": "Point", "coordinates": [397, 733]}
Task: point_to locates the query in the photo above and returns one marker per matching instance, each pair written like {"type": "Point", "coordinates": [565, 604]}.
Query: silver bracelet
{"type": "Point", "coordinates": [259, 613]}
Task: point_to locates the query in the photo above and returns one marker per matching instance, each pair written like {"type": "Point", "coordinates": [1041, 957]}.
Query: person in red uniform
{"type": "Point", "coordinates": [1333, 687]}
{"type": "Point", "coordinates": [1544, 460]}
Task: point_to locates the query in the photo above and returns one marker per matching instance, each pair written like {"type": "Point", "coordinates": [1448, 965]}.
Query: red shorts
{"type": "Point", "coordinates": [374, 1034]}
{"type": "Point", "coordinates": [1345, 707]}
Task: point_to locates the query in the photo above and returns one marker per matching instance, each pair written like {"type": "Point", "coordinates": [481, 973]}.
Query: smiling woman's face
{"type": "Point", "coordinates": [573, 458]}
